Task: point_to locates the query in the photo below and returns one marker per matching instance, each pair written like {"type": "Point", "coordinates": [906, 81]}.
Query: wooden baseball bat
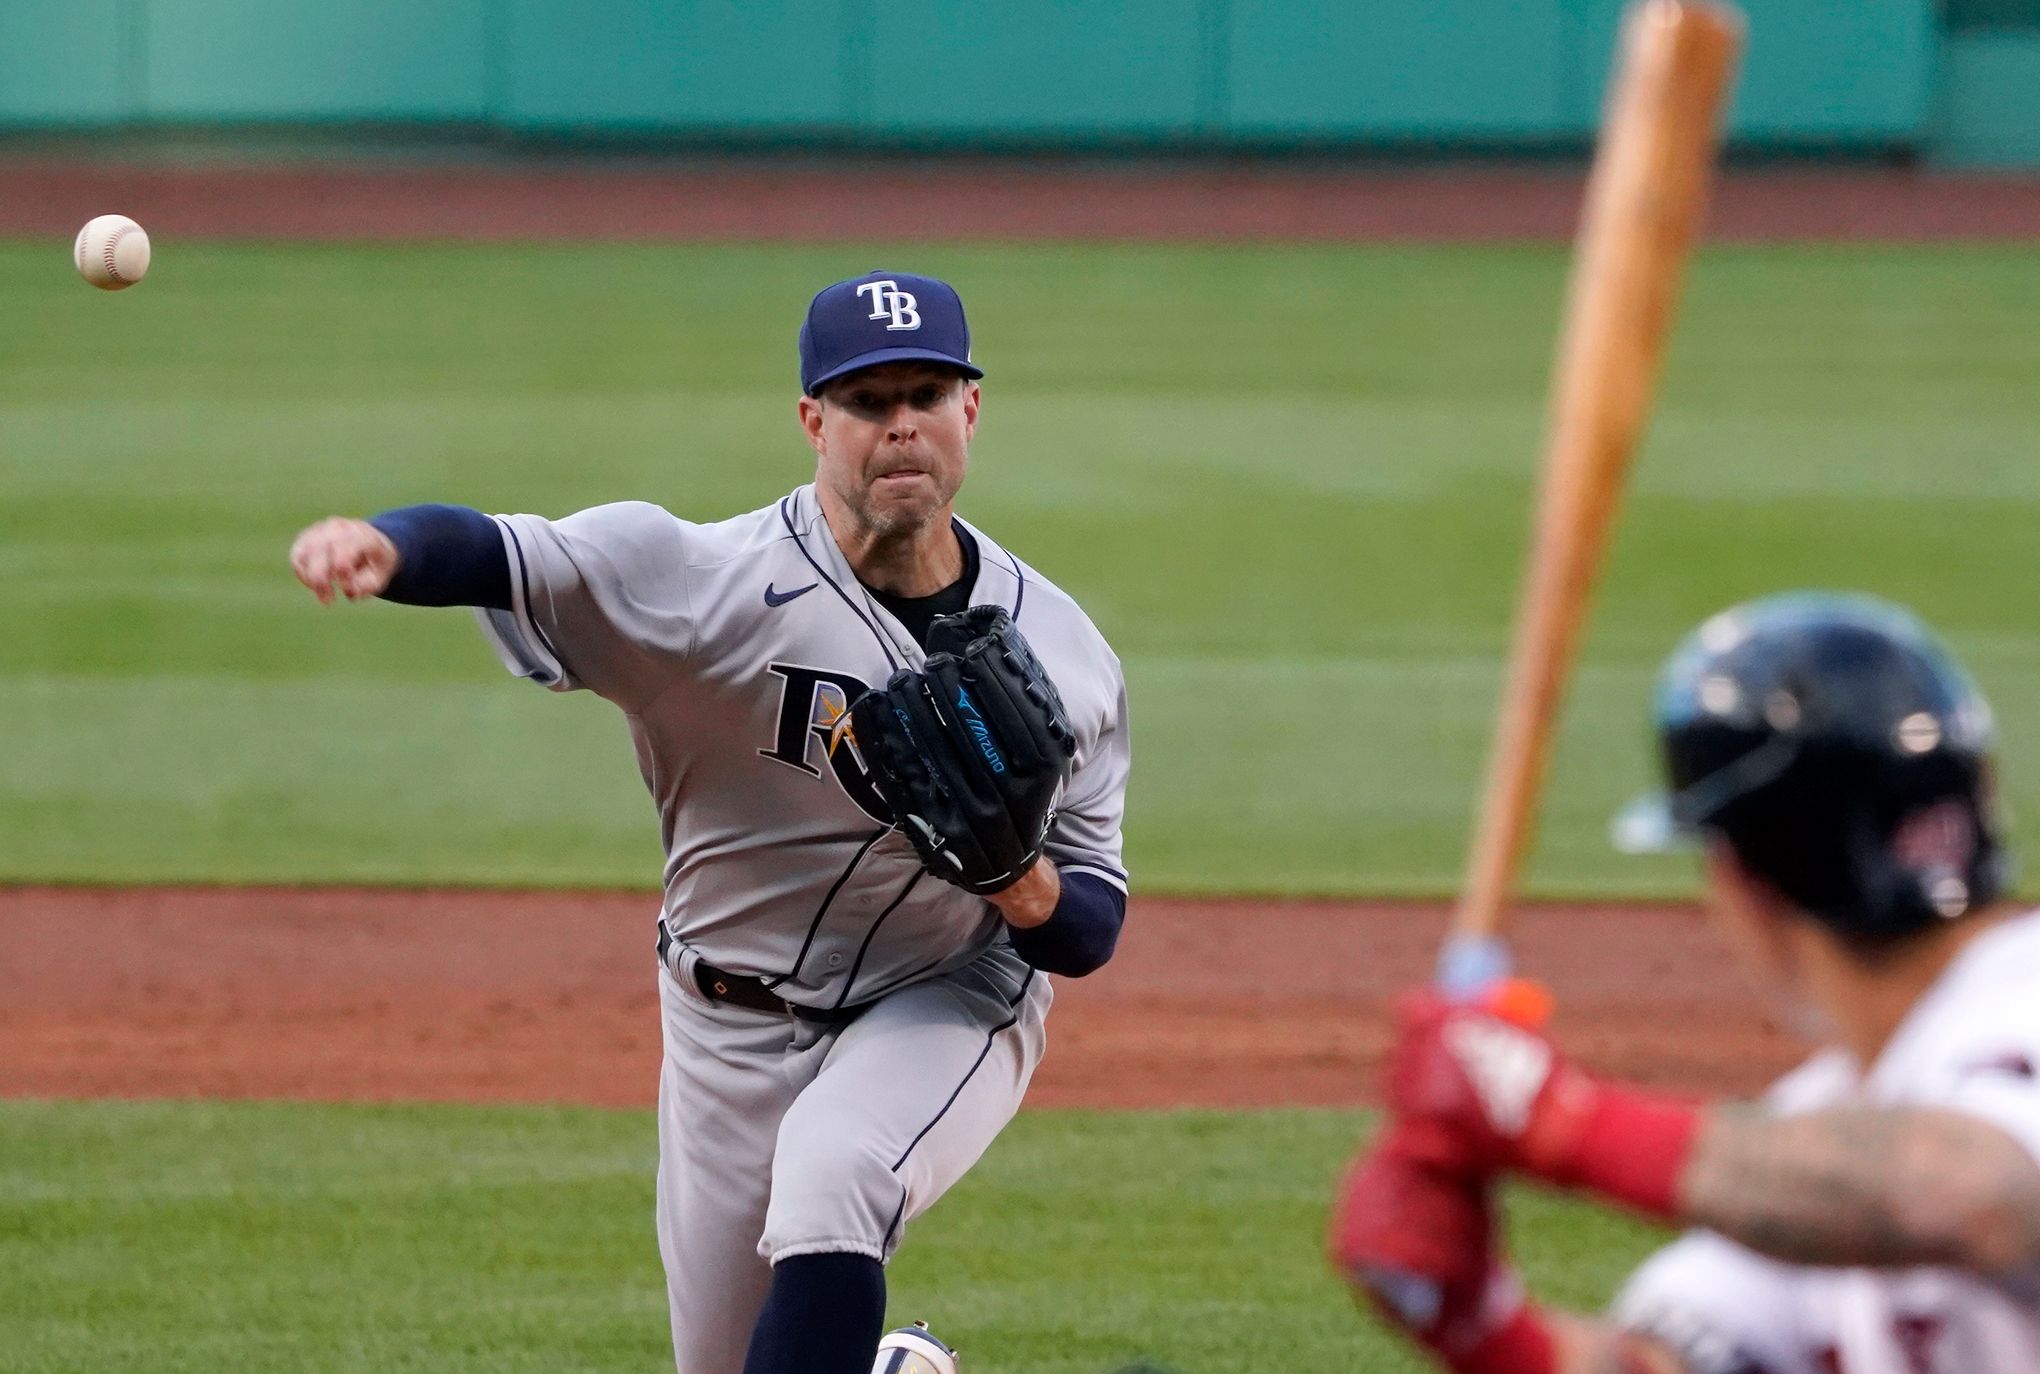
{"type": "Point", "coordinates": [1644, 202]}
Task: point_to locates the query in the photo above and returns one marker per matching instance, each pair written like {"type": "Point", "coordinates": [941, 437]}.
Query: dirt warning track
{"type": "Point", "coordinates": [727, 199]}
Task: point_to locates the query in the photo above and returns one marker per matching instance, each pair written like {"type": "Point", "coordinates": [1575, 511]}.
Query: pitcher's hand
{"type": "Point", "coordinates": [352, 555]}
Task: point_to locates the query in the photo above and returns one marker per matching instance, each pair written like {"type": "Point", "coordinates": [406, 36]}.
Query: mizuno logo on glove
{"type": "Point", "coordinates": [979, 731]}
{"type": "Point", "coordinates": [970, 751]}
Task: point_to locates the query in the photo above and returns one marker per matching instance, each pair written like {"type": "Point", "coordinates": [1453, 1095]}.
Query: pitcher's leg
{"type": "Point", "coordinates": [907, 1099]}
{"type": "Point", "coordinates": [823, 1315]}
{"type": "Point", "coordinates": [722, 1091]}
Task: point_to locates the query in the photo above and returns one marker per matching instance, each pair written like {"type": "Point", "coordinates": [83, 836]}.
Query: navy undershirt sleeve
{"type": "Point", "coordinates": [1079, 935]}
{"type": "Point", "coordinates": [446, 556]}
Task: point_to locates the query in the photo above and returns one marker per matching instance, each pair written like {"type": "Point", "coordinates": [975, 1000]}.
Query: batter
{"type": "Point", "coordinates": [1879, 1213]}
{"type": "Point", "coordinates": [844, 1032]}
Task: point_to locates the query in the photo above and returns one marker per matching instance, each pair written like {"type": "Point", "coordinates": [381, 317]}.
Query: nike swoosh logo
{"type": "Point", "coordinates": [773, 598]}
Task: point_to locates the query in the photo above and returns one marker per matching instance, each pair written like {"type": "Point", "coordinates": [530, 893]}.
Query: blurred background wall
{"type": "Point", "coordinates": [1951, 83]}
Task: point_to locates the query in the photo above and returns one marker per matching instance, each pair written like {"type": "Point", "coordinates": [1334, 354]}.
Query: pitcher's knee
{"type": "Point", "coordinates": [844, 1197]}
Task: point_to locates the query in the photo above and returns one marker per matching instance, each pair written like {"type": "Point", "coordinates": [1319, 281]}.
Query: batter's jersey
{"type": "Point", "coordinates": [732, 648]}
{"type": "Point", "coordinates": [1971, 1045]}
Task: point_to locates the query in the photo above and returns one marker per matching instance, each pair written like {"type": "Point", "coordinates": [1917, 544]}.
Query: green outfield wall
{"type": "Point", "coordinates": [1873, 74]}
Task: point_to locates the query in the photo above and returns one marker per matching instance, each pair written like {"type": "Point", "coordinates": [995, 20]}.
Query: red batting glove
{"type": "Point", "coordinates": [1483, 1094]}
{"type": "Point", "coordinates": [1418, 1243]}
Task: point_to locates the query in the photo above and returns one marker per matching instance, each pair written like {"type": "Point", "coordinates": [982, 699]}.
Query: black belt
{"type": "Point", "coordinates": [741, 990]}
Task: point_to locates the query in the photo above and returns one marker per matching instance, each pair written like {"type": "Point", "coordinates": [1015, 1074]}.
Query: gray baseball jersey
{"type": "Point", "coordinates": [733, 648]}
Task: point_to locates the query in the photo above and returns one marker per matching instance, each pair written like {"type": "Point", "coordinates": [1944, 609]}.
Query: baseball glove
{"type": "Point", "coordinates": [971, 752]}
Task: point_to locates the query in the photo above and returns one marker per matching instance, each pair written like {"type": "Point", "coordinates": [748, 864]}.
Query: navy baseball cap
{"type": "Point", "coordinates": [882, 317]}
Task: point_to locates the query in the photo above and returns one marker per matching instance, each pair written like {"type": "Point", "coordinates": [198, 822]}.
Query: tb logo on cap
{"type": "Point", "coordinates": [888, 300]}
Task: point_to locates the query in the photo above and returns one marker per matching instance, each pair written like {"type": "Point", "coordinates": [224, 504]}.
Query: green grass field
{"type": "Point", "coordinates": [1289, 484]}
{"type": "Point", "coordinates": [185, 1239]}
{"type": "Point", "coordinates": [1291, 487]}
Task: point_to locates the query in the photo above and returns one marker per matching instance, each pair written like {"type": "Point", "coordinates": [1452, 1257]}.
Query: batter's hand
{"type": "Point", "coordinates": [352, 555]}
{"type": "Point", "coordinates": [1484, 1094]}
{"type": "Point", "coordinates": [1418, 1244]}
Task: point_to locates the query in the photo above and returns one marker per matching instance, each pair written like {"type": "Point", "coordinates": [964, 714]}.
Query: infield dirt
{"type": "Point", "coordinates": [353, 994]}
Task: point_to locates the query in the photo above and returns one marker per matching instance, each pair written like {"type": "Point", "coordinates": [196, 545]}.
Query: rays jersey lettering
{"type": "Point", "coordinates": [812, 701]}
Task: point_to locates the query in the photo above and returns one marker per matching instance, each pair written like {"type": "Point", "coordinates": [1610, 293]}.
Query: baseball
{"type": "Point", "coordinates": [112, 252]}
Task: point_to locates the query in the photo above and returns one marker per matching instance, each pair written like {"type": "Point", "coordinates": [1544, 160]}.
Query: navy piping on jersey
{"type": "Point", "coordinates": [858, 962]}
{"type": "Point", "coordinates": [1020, 578]}
{"type": "Point", "coordinates": [524, 581]}
{"type": "Point", "coordinates": [976, 1064]}
{"type": "Point", "coordinates": [835, 586]}
{"type": "Point", "coordinates": [894, 1225]}
{"type": "Point", "coordinates": [822, 911]}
